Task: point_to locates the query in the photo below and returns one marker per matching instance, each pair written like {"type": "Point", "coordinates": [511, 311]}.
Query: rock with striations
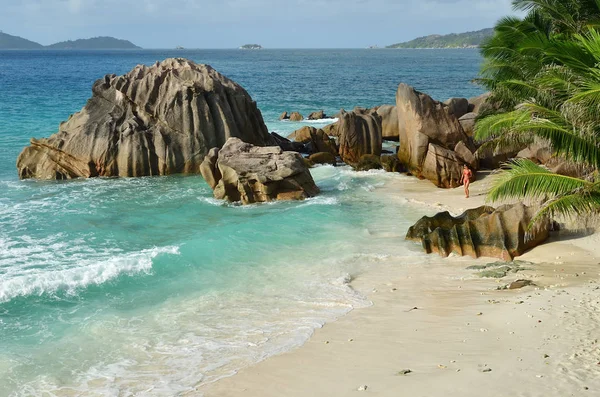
{"type": "Point", "coordinates": [389, 122]}
{"type": "Point", "coordinates": [429, 133]}
{"type": "Point", "coordinates": [331, 129]}
{"type": "Point", "coordinates": [295, 116]}
{"type": "Point", "coordinates": [241, 172]}
{"type": "Point", "coordinates": [484, 231]}
{"type": "Point", "coordinates": [359, 134]}
{"type": "Point", "coordinates": [316, 139]}
{"type": "Point", "coordinates": [155, 120]}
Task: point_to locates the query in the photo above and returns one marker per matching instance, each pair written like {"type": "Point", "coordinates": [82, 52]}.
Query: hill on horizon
{"type": "Point", "coordinates": [95, 43]}
{"type": "Point", "coordinates": [9, 42]}
{"type": "Point", "coordinates": [453, 40]}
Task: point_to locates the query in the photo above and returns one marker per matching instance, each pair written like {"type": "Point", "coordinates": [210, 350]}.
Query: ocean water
{"type": "Point", "coordinates": [149, 286]}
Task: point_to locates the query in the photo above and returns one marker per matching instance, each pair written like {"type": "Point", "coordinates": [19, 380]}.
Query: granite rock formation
{"type": "Point", "coordinates": [389, 122]}
{"type": "Point", "coordinates": [155, 120]}
{"type": "Point", "coordinates": [458, 106]}
{"type": "Point", "coordinates": [429, 134]}
{"type": "Point", "coordinates": [295, 116]}
{"type": "Point", "coordinates": [484, 231]}
{"type": "Point", "coordinates": [359, 134]}
{"type": "Point", "coordinates": [241, 172]}
{"type": "Point", "coordinates": [319, 115]}
{"type": "Point", "coordinates": [315, 139]}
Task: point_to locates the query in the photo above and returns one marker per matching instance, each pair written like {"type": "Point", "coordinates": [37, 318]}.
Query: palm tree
{"type": "Point", "coordinates": [560, 103]}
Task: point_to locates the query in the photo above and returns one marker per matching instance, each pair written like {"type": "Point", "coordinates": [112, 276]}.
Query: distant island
{"type": "Point", "coordinates": [8, 42]}
{"type": "Point", "coordinates": [95, 43]}
{"type": "Point", "coordinates": [454, 40]}
{"type": "Point", "coordinates": [251, 47]}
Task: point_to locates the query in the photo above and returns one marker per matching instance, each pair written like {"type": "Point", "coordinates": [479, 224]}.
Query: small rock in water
{"type": "Point", "coordinates": [350, 340]}
{"type": "Point", "coordinates": [486, 370]}
{"type": "Point", "coordinates": [363, 388]}
{"type": "Point", "coordinates": [441, 366]}
{"type": "Point", "coordinates": [546, 356]}
{"type": "Point", "coordinates": [404, 372]}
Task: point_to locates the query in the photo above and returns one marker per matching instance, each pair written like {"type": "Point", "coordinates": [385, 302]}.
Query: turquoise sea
{"type": "Point", "coordinates": [149, 286]}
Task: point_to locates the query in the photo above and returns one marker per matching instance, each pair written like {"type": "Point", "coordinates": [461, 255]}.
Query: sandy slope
{"type": "Point", "coordinates": [537, 341]}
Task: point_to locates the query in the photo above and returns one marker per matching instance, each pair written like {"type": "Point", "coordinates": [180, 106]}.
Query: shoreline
{"type": "Point", "coordinates": [464, 335]}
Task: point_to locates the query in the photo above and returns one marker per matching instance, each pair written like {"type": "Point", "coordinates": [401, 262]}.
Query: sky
{"type": "Point", "coordinates": [231, 23]}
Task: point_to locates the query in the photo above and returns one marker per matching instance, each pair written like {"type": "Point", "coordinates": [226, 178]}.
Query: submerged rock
{"type": "Point", "coordinates": [323, 158]}
{"type": "Point", "coordinates": [241, 172]}
{"type": "Point", "coordinates": [317, 140]}
{"type": "Point", "coordinates": [319, 115]}
{"type": "Point", "coordinates": [295, 116]}
{"type": "Point", "coordinates": [155, 120]}
{"type": "Point", "coordinates": [483, 231]}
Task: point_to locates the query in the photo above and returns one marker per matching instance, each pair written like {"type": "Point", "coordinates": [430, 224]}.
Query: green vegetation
{"type": "Point", "coordinates": [461, 40]}
{"type": "Point", "coordinates": [251, 47]}
{"type": "Point", "coordinates": [8, 42]}
{"type": "Point", "coordinates": [95, 43]}
{"type": "Point", "coordinates": [544, 70]}
{"type": "Point", "coordinates": [18, 43]}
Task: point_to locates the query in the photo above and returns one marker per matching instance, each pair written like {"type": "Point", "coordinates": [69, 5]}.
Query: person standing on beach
{"type": "Point", "coordinates": [465, 179]}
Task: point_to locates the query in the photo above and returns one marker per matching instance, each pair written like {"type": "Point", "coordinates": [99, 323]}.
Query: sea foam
{"type": "Point", "coordinates": [39, 281]}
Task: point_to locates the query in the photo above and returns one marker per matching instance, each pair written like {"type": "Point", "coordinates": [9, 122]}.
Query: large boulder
{"type": "Point", "coordinates": [155, 120]}
{"type": "Point", "coordinates": [332, 129]}
{"type": "Point", "coordinates": [319, 115]}
{"type": "Point", "coordinates": [241, 172]}
{"type": "Point", "coordinates": [458, 106]}
{"type": "Point", "coordinates": [295, 116]}
{"type": "Point", "coordinates": [389, 122]}
{"type": "Point", "coordinates": [316, 139]}
{"type": "Point", "coordinates": [425, 124]}
{"type": "Point", "coordinates": [467, 122]}
{"type": "Point", "coordinates": [322, 158]}
{"type": "Point", "coordinates": [481, 104]}
{"type": "Point", "coordinates": [288, 146]}
{"type": "Point", "coordinates": [359, 134]}
{"type": "Point", "coordinates": [484, 231]}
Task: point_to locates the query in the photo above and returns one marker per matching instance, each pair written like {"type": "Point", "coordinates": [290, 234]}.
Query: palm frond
{"type": "Point", "coordinates": [525, 179]}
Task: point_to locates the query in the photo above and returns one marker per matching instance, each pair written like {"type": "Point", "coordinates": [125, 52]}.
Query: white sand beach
{"type": "Point", "coordinates": [440, 330]}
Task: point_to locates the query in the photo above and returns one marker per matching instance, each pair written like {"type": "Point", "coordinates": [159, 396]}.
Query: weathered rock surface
{"type": "Point", "coordinates": [484, 231]}
{"type": "Point", "coordinates": [467, 122]}
{"type": "Point", "coordinates": [389, 122]}
{"type": "Point", "coordinates": [322, 158]}
{"type": "Point", "coordinates": [368, 162]}
{"type": "Point", "coordinates": [241, 172]}
{"type": "Point", "coordinates": [458, 106]}
{"type": "Point", "coordinates": [155, 120]}
{"type": "Point", "coordinates": [295, 116]}
{"type": "Point", "coordinates": [390, 163]}
{"type": "Point", "coordinates": [481, 103]}
{"type": "Point", "coordinates": [288, 146]}
{"type": "Point", "coordinates": [429, 134]}
{"type": "Point", "coordinates": [284, 116]}
{"type": "Point", "coordinates": [331, 129]}
{"type": "Point", "coordinates": [319, 115]}
{"type": "Point", "coordinates": [359, 134]}
{"type": "Point", "coordinates": [316, 140]}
